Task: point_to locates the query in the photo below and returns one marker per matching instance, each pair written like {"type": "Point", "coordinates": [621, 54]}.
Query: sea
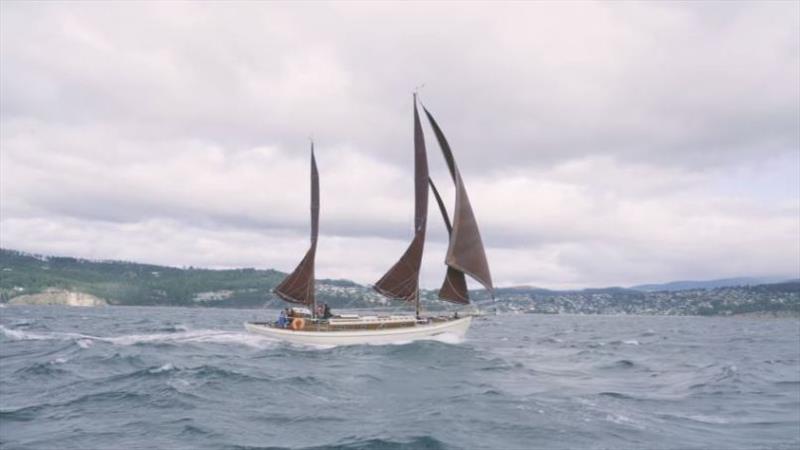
{"type": "Point", "coordinates": [193, 378]}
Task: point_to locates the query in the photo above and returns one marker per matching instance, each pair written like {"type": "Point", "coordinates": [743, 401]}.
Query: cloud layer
{"type": "Point", "coordinates": [601, 143]}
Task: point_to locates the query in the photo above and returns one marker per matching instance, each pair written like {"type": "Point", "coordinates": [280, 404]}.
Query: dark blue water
{"type": "Point", "coordinates": [171, 378]}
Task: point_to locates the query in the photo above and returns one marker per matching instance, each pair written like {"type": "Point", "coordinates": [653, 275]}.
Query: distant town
{"type": "Point", "coordinates": [37, 279]}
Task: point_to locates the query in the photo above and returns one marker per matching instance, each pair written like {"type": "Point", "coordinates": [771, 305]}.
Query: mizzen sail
{"type": "Point", "coordinates": [465, 253]}
{"type": "Point", "coordinates": [298, 287]}
{"type": "Point", "coordinates": [402, 280]}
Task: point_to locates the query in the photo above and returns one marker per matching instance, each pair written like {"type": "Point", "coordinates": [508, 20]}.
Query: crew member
{"type": "Point", "coordinates": [282, 319]}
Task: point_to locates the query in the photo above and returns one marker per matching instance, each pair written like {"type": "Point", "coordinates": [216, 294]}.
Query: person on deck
{"type": "Point", "coordinates": [282, 319]}
{"type": "Point", "coordinates": [326, 312]}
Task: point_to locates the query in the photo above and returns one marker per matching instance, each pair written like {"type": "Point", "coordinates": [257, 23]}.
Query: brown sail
{"type": "Point", "coordinates": [402, 280]}
{"type": "Point", "coordinates": [465, 253]}
{"type": "Point", "coordinates": [454, 288]}
{"type": "Point", "coordinates": [298, 287]}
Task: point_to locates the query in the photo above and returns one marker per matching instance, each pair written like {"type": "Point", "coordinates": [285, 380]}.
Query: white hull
{"type": "Point", "coordinates": [456, 328]}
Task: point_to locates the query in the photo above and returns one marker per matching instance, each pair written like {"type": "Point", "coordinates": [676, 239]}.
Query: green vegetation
{"type": "Point", "coordinates": [126, 283]}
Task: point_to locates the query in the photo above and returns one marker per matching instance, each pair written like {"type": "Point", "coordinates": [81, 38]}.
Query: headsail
{"type": "Point", "coordinates": [454, 288]}
{"type": "Point", "coordinates": [298, 287]}
{"type": "Point", "coordinates": [465, 253]}
{"type": "Point", "coordinates": [402, 280]}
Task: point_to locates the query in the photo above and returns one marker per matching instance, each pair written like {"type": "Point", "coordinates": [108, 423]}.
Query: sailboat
{"type": "Point", "coordinates": [465, 256]}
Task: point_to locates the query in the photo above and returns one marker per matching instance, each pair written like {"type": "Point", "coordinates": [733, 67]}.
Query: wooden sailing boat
{"type": "Point", "coordinates": [465, 255]}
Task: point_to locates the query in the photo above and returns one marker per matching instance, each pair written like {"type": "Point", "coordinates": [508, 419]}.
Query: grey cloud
{"type": "Point", "coordinates": [600, 142]}
{"type": "Point", "coordinates": [659, 84]}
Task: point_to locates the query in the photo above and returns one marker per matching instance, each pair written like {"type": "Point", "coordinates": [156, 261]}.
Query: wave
{"type": "Point", "coordinates": [179, 334]}
{"type": "Point", "coordinates": [46, 369]}
{"type": "Point", "coordinates": [191, 336]}
{"type": "Point", "coordinates": [708, 419]}
{"type": "Point", "coordinates": [727, 373]}
{"type": "Point", "coordinates": [174, 328]}
{"type": "Point", "coordinates": [199, 373]}
{"type": "Point", "coordinates": [415, 443]}
{"type": "Point", "coordinates": [717, 380]}
{"type": "Point", "coordinates": [617, 395]}
{"type": "Point", "coordinates": [445, 338]}
{"type": "Point", "coordinates": [29, 413]}
{"type": "Point", "coordinates": [500, 365]}
{"type": "Point", "coordinates": [701, 418]}
{"type": "Point", "coordinates": [175, 337]}
{"type": "Point", "coordinates": [620, 364]}
{"type": "Point", "coordinates": [625, 342]}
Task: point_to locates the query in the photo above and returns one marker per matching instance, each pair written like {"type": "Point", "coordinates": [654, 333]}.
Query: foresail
{"type": "Point", "coordinates": [298, 287]}
{"type": "Point", "coordinates": [465, 253]}
{"type": "Point", "coordinates": [402, 280]}
{"type": "Point", "coordinates": [454, 288]}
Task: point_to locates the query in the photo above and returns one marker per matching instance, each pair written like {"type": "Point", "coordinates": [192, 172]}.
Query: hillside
{"type": "Point", "coordinates": [126, 283]}
{"type": "Point", "coordinates": [686, 285]}
{"type": "Point", "coordinates": [777, 298]}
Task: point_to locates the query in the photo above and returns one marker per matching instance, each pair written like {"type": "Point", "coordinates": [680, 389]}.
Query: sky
{"type": "Point", "coordinates": [601, 143]}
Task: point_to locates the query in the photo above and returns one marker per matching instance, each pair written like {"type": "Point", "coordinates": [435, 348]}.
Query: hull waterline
{"type": "Point", "coordinates": [456, 328]}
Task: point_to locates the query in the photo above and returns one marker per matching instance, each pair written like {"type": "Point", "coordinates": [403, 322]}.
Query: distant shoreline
{"type": "Point", "coordinates": [36, 279]}
{"type": "Point", "coordinates": [58, 301]}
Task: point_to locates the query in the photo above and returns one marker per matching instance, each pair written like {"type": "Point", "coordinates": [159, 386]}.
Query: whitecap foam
{"type": "Point", "coordinates": [618, 418]}
{"type": "Point", "coordinates": [16, 335]}
{"type": "Point", "coordinates": [164, 368]}
{"type": "Point", "coordinates": [204, 336]}
{"type": "Point", "coordinates": [708, 419]}
{"type": "Point", "coordinates": [20, 335]}
{"type": "Point", "coordinates": [194, 336]}
{"type": "Point", "coordinates": [191, 336]}
{"type": "Point", "coordinates": [448, 338]}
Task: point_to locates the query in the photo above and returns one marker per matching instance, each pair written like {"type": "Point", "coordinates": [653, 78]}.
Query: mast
{"type": "Point", "coordinates": [314, 225]}
{"type": "Point", "coordinates": [401, 282]}
{"type": "Point", "coordinates": [465, 253]}
{"type": "Point", "coordinates": [298, 287]}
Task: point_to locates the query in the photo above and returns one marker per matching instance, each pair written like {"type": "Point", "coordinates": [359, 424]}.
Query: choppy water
{"type": "Point", "coordinates": [174, 378]}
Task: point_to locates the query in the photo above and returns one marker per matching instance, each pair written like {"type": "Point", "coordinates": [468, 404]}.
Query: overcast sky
{"type": "Point", "coordinates": [601, 143]}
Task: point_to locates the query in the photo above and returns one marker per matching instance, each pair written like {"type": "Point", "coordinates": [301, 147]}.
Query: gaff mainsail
{"type": "Point", "coordinates": [402, 280]}
{"type": "Point", "coordinates": [298, 287]}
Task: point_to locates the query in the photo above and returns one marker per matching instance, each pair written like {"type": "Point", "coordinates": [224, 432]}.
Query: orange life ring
{"type": "Point", "coordinates": [298, 323]}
